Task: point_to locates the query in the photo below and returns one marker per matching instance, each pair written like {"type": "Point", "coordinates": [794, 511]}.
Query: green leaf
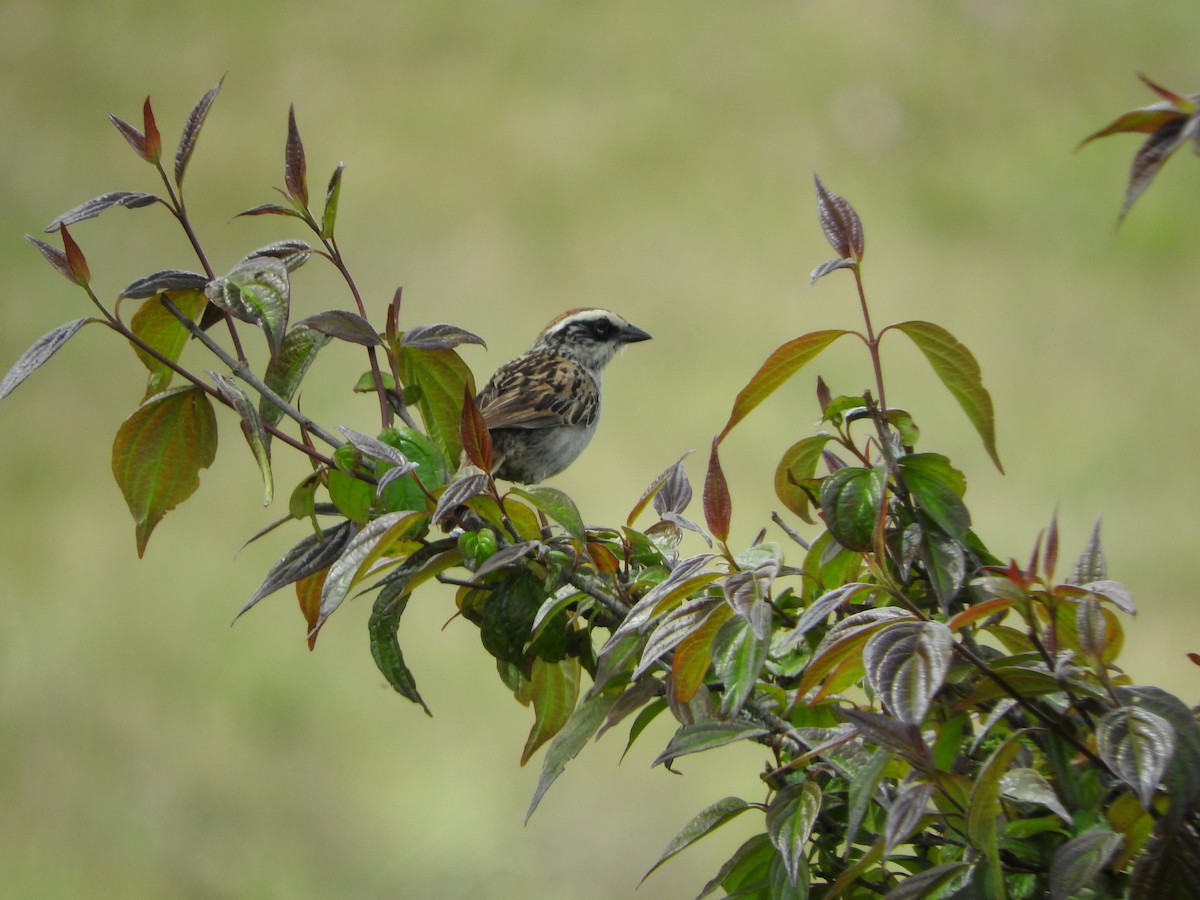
{"type": "Point", "coordinates": [790, 819]}
{"type": "Point", "coordinates": [863, 785]}
{"type": "Point", "coordinates": [385, 644]}
{"type": "Point", "coordinates": [984, 809]}
{"type": "Point", "coordinates": [287, 368]}
{"type": "Point", "coordinates": [953, 363]}
{"type": "Point", "coordinates": [937, 487]}
{"type": "Point", "coordinates": [158, 454]}
{"type": "Point", "coordinates": [155, 326]}
{"type": "Point", "coordinates": [1079, 860]}
{"type": "Point", "coordinates": [644, 718]}
{"type": "Point", "coordinates": [844, 641]}
{"type": "Point", "coordinates": [508, 617]}
{"type": "Point", "coordinates": [252, 428]}
{"type": "Point", "coordinates": [904, 815]}
{"type": "Point", "coordinates": [554, 688]}
{"type": "Point", "coordinates": [745, 871]}
{"type": "Point", "coordinates": [1030, 786]}
{"type": "Point", "coordinates": [33, 358]}
{"type": "Point", "coordinates": [352, 496]}
{"type": "Point", "coordinates": [1138, 745]}
{"type": "Point", "coordinates": [781, 365]}
{"type": "Point", "coordinates": [403, 493]}
{"type": "Point", "coordinates": [702, 824]}
{"type": "Point", "coordinates": [345, 326]}
{"type": "Point", "coordinates": [851, 502]}
{"type": "Point", "coordinates": [557, 505]}
{"type": "Point", "coordinates": [440, 377]}
{"type": "Point", "coordinates": [738, 656]}
{"type": "Point", "coordinates": [708, 735]}
{"type": "Point", "coordinates": [906, 665]}
{"type": "Point", "coordinates": [798, 464]}
{"type": "Point", "coordinates": [673, 628]}
{"type": "Point", "coordinates": [329, 217]}
{"type": "Point", "coordinates": [258, 291]}
{"type": "Point", "coordinates": [1183, 772]}
{"type": "Point", "coordinates": [924, 883]}
{"type": "Point", "coordinates": [583, 723]}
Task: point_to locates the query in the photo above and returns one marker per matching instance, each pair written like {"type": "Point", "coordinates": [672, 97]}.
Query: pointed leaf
{"type": "Point", "coordinates": [584, 722]}
{"type": "Point", "coordinates": [984, 809]}
{"type": "Point", "coordinates": [440, 378]}
{"type": "Point", "coordinates": [1138, 745]}
{"type": "Point", "coordinates": [135, 138]}
{"type": "Point", "coordinates": [781, 365]}
{"type": "Point", "coordinates": [693, 655]}
{"type": "Point", "coordinates": [924, 883]}
{"type": "Point", "coordinates": [372, 544]}
{"type": "Point", "coordinates": [906, 665]}
{"type": "Point", "coordinates": [937, 487]}
{"type": "Point", "coordinates": [672, 629]}
{"type": "Point", "coordinates": [797, 465]}
{"type": "Point", "coordinates": [1169, 867]}
{"type": "Point", "coordinates": [557, 505]}
{"type": "Point", "coordinates": [332, 193]}
{"type": "Point", "coordinates": [656, 487]}
{"type": "Point", "coordinates": [440, 337]}
{"type": "Point", "coordinates": [905, 814]}
{"type": "Point", "coordinates": [474, 434]}
{"type": "Point", "coordinates": [1080, 860]}
{"type": "Point", "coordinates": [718, 507]}
{"type": "Point", "coordinates": [287, 368]}
{"type": "Point", "coordinates": [790, 819]}
{"type": "Point", "coordinates": [191, 131]}
{"type": "Point", "coordinates": [953, 363]}
{"type": "Point", "coordinates": [708, 735]}
{"type": "Point", "coordinates": [345, 326]}
{"type": "Point", "coordinates": [459, 492]}
{"type": "Point", "coordinates": [170, 281]}
{"type": "Point", "coordinates": [313, 554]}
{"type": "Point", "coordinates": [385, 644]}
{"type": "Point", "coordinates": [702, 824]}
{"type": "Point", "coordinates": [1151, 157]}
{"type": "Point", "coordinates": [55, 257]}
{"type": "Point", "coordinates": [1030, 786]}
{"type": "Point", "coordinates": [898, 738]}
{"type": "Point", "coordinates": [33, 358]}
{"type": "Point", "coordinates": [92, 208]}
{"type": "Point", "coordinates": [840, 222]}
{"type": "Point", "coordinates": [252, 429]}
{"type": "Point", "coordinates": [554, 688]}
{"type": "Point", "coordinates": [1091, 565]}
{"type": "Point", "coordinates": [295, 177]}
{"type": "Point", "coordinates": [158, 454]}
{"type": "Point", "coordinates": [75, 258]}
{"type": "Point", "coordinates": [738, 656]}
{"type": "Point", "coordinates": [851, 503]}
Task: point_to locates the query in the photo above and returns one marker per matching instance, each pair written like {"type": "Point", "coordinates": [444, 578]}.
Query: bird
{"type": "Point", "coordinates": [541, 408]}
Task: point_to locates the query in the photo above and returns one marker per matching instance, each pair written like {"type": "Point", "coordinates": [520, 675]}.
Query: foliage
{"type": "Point", "coordinates": [937, 720]}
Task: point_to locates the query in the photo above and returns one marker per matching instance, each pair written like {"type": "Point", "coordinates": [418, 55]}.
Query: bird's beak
{"type": "Point", "coordinates": [631, 334]}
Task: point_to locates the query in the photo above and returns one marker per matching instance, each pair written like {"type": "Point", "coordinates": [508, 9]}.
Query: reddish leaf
{"type": "Point", "coordinates": [693, 656]}
{"type": "Point", "coordinates": [159, 452]}
{"type": "Point", "coordinates": [476, 439]}
{"type": "Point", "coordinates": [718, 507]}
{"type": "Point", "coordinates": [54, 256]}
{"type": "Point", "coordinates": [1185, 104]}
{"type": "Point", "coordinates": [295, 176]}
{"type": "Point", "coordinates": [781, 365]}
{"type": "Point", "coordinates": [308, 592]}
{"type": "Point", "coordinates": [554, 688]}
{"type": "Point", "coordinates": [840, 222]}
{"type": "Point", "coordinates": [191, 131]}
{"type": "Point", "coordinates": [983, 610]}
{"type": "Point", "coordinates": [75, 258]}
{"type": "Point", "coordinates": [153, 140]}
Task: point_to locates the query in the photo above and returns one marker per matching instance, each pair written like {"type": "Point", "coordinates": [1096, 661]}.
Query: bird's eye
{"type": "Point", "coordinates": [602, 329]}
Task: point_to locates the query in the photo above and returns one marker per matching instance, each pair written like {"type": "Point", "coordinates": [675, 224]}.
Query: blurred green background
{"type": "Point", "coordinates": [506, 162]}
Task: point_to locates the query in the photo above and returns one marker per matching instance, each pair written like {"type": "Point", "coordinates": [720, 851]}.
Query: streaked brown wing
{"type": "Point", "coordinates": [539, 390]}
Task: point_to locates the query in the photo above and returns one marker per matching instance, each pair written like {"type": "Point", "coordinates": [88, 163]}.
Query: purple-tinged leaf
{"type": "Point", "coordinates": [906, 665]}
{"type": "Point", "coordinates": [1030, 786]}
{"type": "Point", "coordinates": [819, 610]}
{"type": "Point", "coordinates": [344, 325]}
{"type": "Point", "coordinates": [830, 266]}
{"type": "Point", "coordinates": [676, 491]}
{"type": "Point", "coordinates": [158, 454]}
{"type": "Point", "coordinates": [191, 131]}
{"type": "Point", "coordinates": [505, 557]}
{"type": "Point", "coordinates": [686, 578]}
{"type": "Point", "coordinates": [1151, 157]}
{"type": "Point", "coordinates": [252, 429]}
{"type": "Point", "coordinates": [953, 363]}
{"type": "Point", "coordinates": [293, 253]}
{"type": "Point", "coordinates": [440, 337]}
{"type": "Point", "coordinates": [311, 555]}
{"type": "Point", "coordinates": [45, 347]}
{"type": "Point", "coordinates": [905, 813]}
{"type": "Point", "coordinates": [781, 365]}
{"type": "Point", "coordinates": [169, 280]}
{"type": "Point", "coordinates": [672, 629]}
{"type": "Point", "coordinates": [702, 824]}
{"type": "Point", "coordinates": [840, 222]}
{"type": "Point", "coordinates": [459, 492]}
{"type": "Point", "coordinates": [295, 176]}
{"type": "Point", "coordinates": [1091, 566]}
{"type": "Point", "coordinates": [844, 641]}
{"type": "Point", "coordinates": [652, 491]}
{"type": "Point", "coordinates": [790, 819]}
{"type": "Point", "coordinates": [92, 208]}
{"type": "Point", "coordinates": [587, 718]}
{"type": "Point", "coordinates": [373, 448]}
{"type": "Point", "coordinates": [372, 548]}
{"type": "Point", "coordinates": [1079, 860]}
{"type": "Point", "coordinates": [269, 209]}
{"type": "Point", "coordinates": [926, 882]}
{"type": "Point", "coordinates": [54, 256]}
{"type": "Point", "coordinates": [1169, 866]}
{"type": "Point", "coordinates": [332, 193]}
{"type": "Point", "coordinates": [135, 138]}
{"type": "Point", "coordinates": [474, 434]}
{"type": "Point", "coordinates": [708, 735]}
{"type": "Point", "coordinates": [1115, 593]}
{"type": "Point", "coordinates": [852, 501]}
{"type": "Point", "coordinates": [888, 734]}
{"type": "Point", "coordinates": [1138, 745]}
{"type": "Point", "coordinates": [718, 506]}
{"type": "Point", "coordinates": [747, 592]}
{"type": "Point", "coordinates": [738, 656]}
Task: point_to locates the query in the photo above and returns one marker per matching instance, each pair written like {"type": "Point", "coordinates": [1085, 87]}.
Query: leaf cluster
{"type": "Point", "coordinates": [935, 720]}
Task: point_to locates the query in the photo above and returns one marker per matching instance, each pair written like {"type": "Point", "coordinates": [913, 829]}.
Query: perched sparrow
{"type": "Point", "coordinates": [542, 408]}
